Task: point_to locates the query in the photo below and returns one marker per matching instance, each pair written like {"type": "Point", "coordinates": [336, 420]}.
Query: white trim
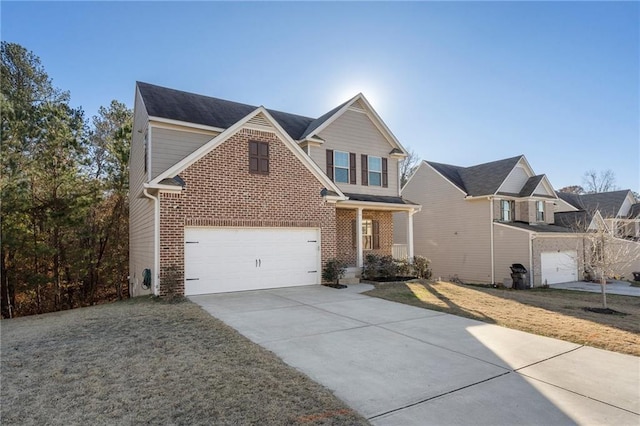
{"type": "Point", "coordinates": [148, 151]}
{"type": "Point", "coordinates": [526, 164]}
{"type": "Point", "coordinates": [530, 274]}
{"type": "Point", "coordinates": [493, 261]}
{"type": "Point", "coordinates": [371, 113]}
{"type": "Point", "coordinates": [410, 250]}
{"type": "Point", "coordinates": [377, 206]}
{"type": "Point", "coordinates": [545, 181]}
{"type": "Point", "coordinates": [186, 124]}
{"type": "Point", "coordinates": [162, 187]}
{"type": "Point", "coordinates": [222, 137]}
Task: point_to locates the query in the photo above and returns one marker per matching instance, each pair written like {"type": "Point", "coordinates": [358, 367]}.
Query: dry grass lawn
{"type": "Point", "coordinates": [148, 362]}
{"type": "Point", "coordinates": [547, 312]}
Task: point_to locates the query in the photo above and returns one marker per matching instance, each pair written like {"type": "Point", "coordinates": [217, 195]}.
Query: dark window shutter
{"type": "Point", "coordinates": [376, 234]}
{"type": "Point", "coordinates": [365, 169]}
{"type": "Point", "coordinates": [354, 234]}
{"type": "Point", "coordinates": [330, 164]}
{"type": "Point", "coordinates": [385, 175]}
{"type": "Point", "coordinates": [259, 157]}
{"type": "Point", "coordinates": [352, 168]}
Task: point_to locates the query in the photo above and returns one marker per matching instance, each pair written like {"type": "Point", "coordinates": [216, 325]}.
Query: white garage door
{"type": "Point", "coordinates": [559, 267]}
{"type": "Point", "coordinates": [220, 260]}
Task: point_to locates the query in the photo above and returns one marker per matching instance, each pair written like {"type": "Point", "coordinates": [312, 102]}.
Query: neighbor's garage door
{"type": "Point", "coordinates": [233, 259]}
{"type": "Point", "coordinates": [559, 267]}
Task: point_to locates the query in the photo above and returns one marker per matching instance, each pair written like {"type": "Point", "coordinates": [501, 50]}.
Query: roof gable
{"type": "Point", "coordinates": [259, 118]}
{"type": "Point", "coordinates": [608, 204]}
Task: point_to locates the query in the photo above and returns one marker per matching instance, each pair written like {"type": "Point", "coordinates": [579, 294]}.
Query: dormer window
{"type": "Point", "coordinates": [540, 211]}
{"type": "Point", "coordinates": [507, 210]}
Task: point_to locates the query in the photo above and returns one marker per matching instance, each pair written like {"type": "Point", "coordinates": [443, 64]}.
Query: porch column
{"type": "Point", "coordinates": [360, 261]}
{"type": "Point", "coordinates": [410, 234]}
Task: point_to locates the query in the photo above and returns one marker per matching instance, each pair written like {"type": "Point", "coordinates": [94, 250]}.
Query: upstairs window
{"type": "Point", "coordinates": [374, 171]}
{"type": "Point", "coordinates": [341, 166]}
{"type": "Point", "coordinates": [259, 157]}
{"type": "Point", "coordinates": [507, 210]}
{"type": "Point", "coordinates": [540, 211]}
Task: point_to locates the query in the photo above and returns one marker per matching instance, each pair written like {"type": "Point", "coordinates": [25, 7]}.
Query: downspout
{"type": "Point", "coordinates": [531, 239]}
{"type": "Point", "coordinates": [156, 242]}
{"type": "Point", "coordinates": [493, 278]}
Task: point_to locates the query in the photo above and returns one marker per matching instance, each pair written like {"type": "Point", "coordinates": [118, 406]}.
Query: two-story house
{"type": "Point", "coordinates": [227, 196]}
{"type": "Point", "coordinates": [477, 221]}
{"type": "Point", "coordinates": [619, 210]}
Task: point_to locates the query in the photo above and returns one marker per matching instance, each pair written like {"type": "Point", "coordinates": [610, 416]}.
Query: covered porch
{"type": "Point", "coordinates": [364, 224]}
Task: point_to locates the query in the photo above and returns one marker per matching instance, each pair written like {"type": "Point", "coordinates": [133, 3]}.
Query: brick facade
{"type": "Point", "coordinates": [220, 191]}
{"type": "Point", "coordinates": [346, 252]}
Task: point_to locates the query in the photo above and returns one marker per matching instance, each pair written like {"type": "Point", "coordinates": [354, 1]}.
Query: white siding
{"type": "Point", "coordinates": [355, 132]}
{"type": "Point", "coordinates": [511, 246]}
{"type": "Point", "coordinates": [625, 208]}
{"type": "Point", "coordinates": [141, 217]}
{"type": "Point", "coordinates": [452, 232]}
{"type": "Point", "coordinates": [169, 146]}
{"type": "Point", "coordinates": [515, 181]}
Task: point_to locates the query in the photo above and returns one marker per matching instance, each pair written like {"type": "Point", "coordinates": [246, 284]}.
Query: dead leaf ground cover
{"type": "Point", "coordinates": [148, 362]}
{"type": "Point", "coordinates": [546, 312]}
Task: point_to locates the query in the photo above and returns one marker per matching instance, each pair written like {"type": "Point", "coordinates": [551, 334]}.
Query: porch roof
{"type": "Point", "coordinates": [379, 202]}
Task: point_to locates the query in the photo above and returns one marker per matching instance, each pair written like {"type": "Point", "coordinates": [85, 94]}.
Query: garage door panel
{"type": "Point", "coordinates": [236, 259]}
{"type": "Point", "coordinates": [559, 267]}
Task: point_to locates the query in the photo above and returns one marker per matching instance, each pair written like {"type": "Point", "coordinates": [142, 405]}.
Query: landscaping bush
{"type": "Point", "coordinates": [333, 270]}
{"type": "Point", "coordinates": [386, 268]}
{"type": "Point", "coordinates": [421, 267]}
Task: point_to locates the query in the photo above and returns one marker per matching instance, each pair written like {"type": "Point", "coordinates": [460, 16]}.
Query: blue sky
{"type": "Point", "coordinates": [458, 82]}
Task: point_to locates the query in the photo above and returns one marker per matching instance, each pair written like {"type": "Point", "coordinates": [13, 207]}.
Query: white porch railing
{"type": "Point", "coordinates": [399, 251]}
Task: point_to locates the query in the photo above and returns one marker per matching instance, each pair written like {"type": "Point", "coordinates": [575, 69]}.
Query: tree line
{"type": "Point", "coordinates": [63, 194]}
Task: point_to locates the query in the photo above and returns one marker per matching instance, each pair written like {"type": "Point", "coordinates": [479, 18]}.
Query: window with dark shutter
{"type": "Point", "coordinates": [365, 169]}
{"type": "Point", "coordinates": [259, 157]}
{"type": "Point", "coordinates": [330, 164]}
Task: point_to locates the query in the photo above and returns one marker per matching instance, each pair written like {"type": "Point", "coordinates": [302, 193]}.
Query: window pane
{"type": "Point", "coordinates": [341, 159]}
{"type": "Point", "coordinates": [375, 179]}
{"type": "Point", "coordinates": [375, 164]}
{"type": "Point", "coordinates": [367, 232]}
{"type": "Point", "coordinates": [341, 175]}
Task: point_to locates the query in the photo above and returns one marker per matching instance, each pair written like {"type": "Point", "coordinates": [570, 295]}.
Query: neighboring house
{"type": "Point", "coordinates": [619, 210]}
{"type": "Point", "coordinates": [227, 197]}
{"type": "Point", "coordinates": [477, 221]}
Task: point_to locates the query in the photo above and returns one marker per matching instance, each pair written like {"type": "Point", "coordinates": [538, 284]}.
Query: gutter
{"type": "Point", "coordinates": [155, 285]}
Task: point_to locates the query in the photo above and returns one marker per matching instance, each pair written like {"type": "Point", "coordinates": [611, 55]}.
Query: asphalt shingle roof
{"type": "Point", "coordinates": [193, 108]}
{"type": "Point", "coordinates": [530, 185]}
{"type": "Point", "coordinates": [541, 227]}
{"type": "Point", "coordinates": [607, 203]}
{"type": "Point", "coordinates": [478, 180]}
{"type": "Point", "coordinates": [379, 199]}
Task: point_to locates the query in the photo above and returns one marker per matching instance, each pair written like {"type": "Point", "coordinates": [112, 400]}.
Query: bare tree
{"type": "Point", "coordinates": [595, 182]}
{"type": "Point", "coordinates": [408, 166]}
{"type": "Point", "coordinates": [572, 189]}
{"type": "Point", "coordinates": [606, 256]}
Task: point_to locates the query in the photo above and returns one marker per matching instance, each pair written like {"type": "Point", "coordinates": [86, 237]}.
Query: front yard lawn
{"type": "Point", "coordinates": [547, 312]}
{"type": "Point", "coordinates": [143, 361]}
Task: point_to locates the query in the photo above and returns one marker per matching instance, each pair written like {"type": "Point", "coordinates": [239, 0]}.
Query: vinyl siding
{"type": "Point", "coordinates": [515, 181]}
{"type": "Point", "coordinates": [141, 217]}
{"type": "Point", "coordinates": [171, 145]}
{"type": "Point", "coordinates": [355, 132]}
{"type": "Point", "coordinates": [510, 246]}
{"type": "Point", "coordinates": [452, 232]}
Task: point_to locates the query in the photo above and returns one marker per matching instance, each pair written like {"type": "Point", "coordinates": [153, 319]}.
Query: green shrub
{"type": "Point", "coordinates": [421, 267]}
{"type": "Point", "coordinates": [333, 270]}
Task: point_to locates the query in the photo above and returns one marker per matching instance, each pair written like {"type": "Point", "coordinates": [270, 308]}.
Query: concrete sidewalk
{"type": "Point", "coordinates": [623, 288]}
{"type": "Point", "coordinates": [401, 365]}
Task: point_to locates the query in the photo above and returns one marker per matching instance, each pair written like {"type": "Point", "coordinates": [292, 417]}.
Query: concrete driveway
{"type": "Point", "coordinates": [401, 365]}
{"type": "Point", "coordinates": [615, 287]}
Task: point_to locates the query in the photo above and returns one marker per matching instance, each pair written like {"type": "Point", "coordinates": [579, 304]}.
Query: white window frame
{"type": "Point", "coordinates": [367, 234]}
{"type": "Point", "coordinates": [509, 217]}
{"type": "Point", "coordinates": [336, 167]}
{"type": "Point", "coordinates": [371, 171]}
{"type": "Point", "coordinates": [540, 211]}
